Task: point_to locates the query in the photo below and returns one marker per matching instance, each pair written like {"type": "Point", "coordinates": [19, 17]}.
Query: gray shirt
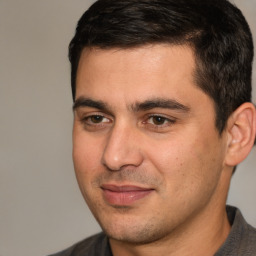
{"type": "Point", "coordinates": [240, 242]}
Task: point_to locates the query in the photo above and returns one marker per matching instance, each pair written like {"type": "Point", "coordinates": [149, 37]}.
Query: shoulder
{"type": "Point", "coordinates": [241, 228]}
{"type": "Point", "coordinates": [94, 245]}
{"type": "Point", "coordinates": [242, 238]}
{"type": "Point", "coordinates": [249, 240]}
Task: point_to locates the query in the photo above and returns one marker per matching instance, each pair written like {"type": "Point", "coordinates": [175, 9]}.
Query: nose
{"type": "Point", "coordinates": [122, 148]}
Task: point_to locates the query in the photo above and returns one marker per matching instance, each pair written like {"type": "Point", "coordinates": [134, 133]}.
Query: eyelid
{"type": "Point", "coordinates": [168, 123]}
{"type": "Point", "coordinates": [85, 114]}
{"type": "Point", "coordinates": [146, 121]}
{"type": "Point", "coordinates": [91, 116]}
{"type": "Point", "coordinates": [168, 118]}
{"type": "Point", "coordinates": [85, 119]}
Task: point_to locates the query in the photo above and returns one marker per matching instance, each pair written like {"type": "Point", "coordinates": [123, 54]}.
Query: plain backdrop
{"type": "Point", "coordinates": [41, 209]}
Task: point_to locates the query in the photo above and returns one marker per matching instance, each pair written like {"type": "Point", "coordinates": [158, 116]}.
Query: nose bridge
{"type": "Point", "coordinates": [122, 147]}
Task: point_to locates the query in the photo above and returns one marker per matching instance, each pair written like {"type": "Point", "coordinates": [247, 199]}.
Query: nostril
{"type": "Point", "coordinates": [116, 160]}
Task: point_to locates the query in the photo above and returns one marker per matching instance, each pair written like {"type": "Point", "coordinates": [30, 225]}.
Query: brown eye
{"type": "Point", "coordinates": [96, 119]}
{"type": "Point", "coordinates": [158, 123]}
{"type": "Point", "coordinates": [158, 120]}
{"type": "Point", "coordinates": [94, 122]}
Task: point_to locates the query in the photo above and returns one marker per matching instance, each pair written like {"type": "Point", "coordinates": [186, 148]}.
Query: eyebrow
{"type": "Point", "coordinates": [159, 103]}
{"type": "Point", "coordinates": [136, 107]}
{"type": "Point", "coordinates": [86, 102]}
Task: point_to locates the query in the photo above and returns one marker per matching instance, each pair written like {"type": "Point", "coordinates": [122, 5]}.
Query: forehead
{"type": "Point", "coordinates": [130, 75]}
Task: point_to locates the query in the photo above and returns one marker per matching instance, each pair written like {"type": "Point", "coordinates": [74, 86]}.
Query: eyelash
{"type": "Point", "coordinates": [88, 120]}
{"type": "Point", "coordinates": [167, 122]}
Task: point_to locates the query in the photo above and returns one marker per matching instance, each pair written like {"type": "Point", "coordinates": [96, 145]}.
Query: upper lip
{"type": "Point", "coordinates": [123, 188]}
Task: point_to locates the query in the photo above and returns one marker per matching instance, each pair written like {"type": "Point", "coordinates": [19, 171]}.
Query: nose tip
{"type": "Point", "coordinates": [116, 162]}
{"type": "Point", "coordinates": [122, 149]}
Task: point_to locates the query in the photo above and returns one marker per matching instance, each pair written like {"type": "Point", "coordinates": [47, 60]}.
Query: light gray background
{"type": "Point", "coordinates": [41, 209]}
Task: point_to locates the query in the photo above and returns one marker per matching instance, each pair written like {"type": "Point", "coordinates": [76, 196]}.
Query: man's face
{"type": "Point", "coordinates": [147, 155]}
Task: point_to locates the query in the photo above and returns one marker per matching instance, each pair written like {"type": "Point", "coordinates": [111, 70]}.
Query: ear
{"type": "Point", "coordinates": [241, 129]}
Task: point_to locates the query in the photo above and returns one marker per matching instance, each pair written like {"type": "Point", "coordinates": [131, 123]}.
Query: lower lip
{"type": "Point", "coordinates": [122, 198]}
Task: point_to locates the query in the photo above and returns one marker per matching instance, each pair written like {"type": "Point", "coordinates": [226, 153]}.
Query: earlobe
{"type": "Point", "coordinates": [241, 129]}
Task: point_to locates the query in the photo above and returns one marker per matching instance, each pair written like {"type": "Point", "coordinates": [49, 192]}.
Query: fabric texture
{"type": "Point", "coordinates": [242, 237]}
{"type": "Point", "coordinates": [96, 245]}
{"type": "Point", "coordinates": [240, 242]}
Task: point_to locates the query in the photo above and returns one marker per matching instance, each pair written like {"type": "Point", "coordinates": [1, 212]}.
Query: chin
{"type": "Point", "coordinates": [134, 231]}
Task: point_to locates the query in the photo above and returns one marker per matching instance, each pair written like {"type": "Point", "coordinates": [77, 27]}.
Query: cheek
{"type": "Point", "coordinates": [186, 164]}
{"type": "Point", "coordinates": [169, 156]}
{"type": "Point", "coordinates": [170, 162]}
{"type": "Point", "coordinates": [86, 160]}
{"type": "Point", "coordinates": [86, 155]}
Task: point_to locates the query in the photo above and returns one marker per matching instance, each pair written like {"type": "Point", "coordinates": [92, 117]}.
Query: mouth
{"type": "Point", "coordinates": [124, 195]}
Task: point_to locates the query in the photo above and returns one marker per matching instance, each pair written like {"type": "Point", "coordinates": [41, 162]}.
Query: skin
{"type": "Point", "coordinates": [174, 151]}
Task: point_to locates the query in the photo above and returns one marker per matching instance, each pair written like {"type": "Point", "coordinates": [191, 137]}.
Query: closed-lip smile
{"type": "Point", "coordinates": [124, 195]}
